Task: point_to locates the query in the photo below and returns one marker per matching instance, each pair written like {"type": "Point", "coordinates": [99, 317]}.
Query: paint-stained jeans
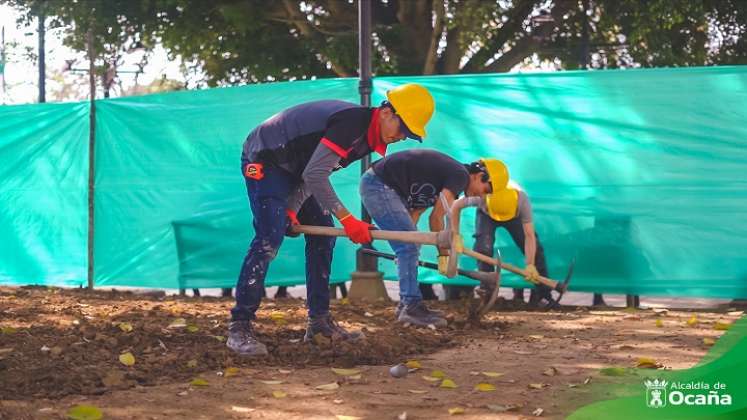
{"type": "Point", "coordinates": [268, 199]}
{"type": "Point", "coordinates": [388, 212]}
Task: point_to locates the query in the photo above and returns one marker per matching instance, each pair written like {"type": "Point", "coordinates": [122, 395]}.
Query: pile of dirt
{"type": "Point", "coordinates": [58, 342]}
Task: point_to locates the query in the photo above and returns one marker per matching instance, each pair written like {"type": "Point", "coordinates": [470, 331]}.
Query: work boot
{"type": "Point", "coordinates": [243, 340]}
{"type": "Point", "coordinates": [433, 312]}
{"type": "Point", "coordinates": [419, 314]}
{"type": "Point", "coordinates": [330, 329]}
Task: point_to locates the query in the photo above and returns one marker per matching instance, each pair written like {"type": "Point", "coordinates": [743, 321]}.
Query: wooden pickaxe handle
{"type": "Point", "coordinates": [423, 238]}
{"type": "Point", "coordinates": [508, 267]}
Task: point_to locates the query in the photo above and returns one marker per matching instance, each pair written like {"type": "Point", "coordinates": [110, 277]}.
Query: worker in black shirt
{"type": "Point", "coordinates": [286, 163]}
{"type": "Point", "coordinates": [396, 191]}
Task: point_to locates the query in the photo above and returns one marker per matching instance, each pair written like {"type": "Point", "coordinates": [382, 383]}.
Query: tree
{"type": "Point", "coordinates": [239, 41]}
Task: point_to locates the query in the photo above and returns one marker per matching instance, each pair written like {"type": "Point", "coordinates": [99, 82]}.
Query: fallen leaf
{"type": "Point", "coordinates": [659, 323]}
{"type": "Point", "coordinates": [272, 382]}
{"type": "Point", "coordinates": [8, 330]}
{"type": "Point", "coordinates": [484, 387]}
{"type": "Point", "coordinates": [192, 363]}
{"type": "Point", "coordinates": [550, 372]}
{"type": "Point", "coordinates": [474, 373]}
{"type": "Point", "coordinates": [276, 315]}
{"type": "Point", "coordinates": [431, 379]}
{"type": "Point", "coordinates": [659, 311]}
{"type": "Point", "coordinates": [219, 338]}
{"type": "Point", "coordinates": [501, 408]}
{"type": "Point", "coordinates": [285, 371]}
{"type": "Point", "coordinates": [178, 323]}
{"type": "Point", "coordinates": [199, 382]}
{"type": "Point", "coordinates": [693, 321]}
{"type": "Point", "coordinates": [113, 379]}
{"type": "Point", "coordinates": [85, 412]}
{"type": "Point", "coordinates": [587, 380]}
{"type": "Point", "coordinates": [448, 383]}
{"type": "Point", "coordinates": [125, 326]}
{"type": "Point", "coordinates": [344, 301]}
{"type": "Point", "coordinates": [538, 412]}
{"type": "Point", "coordinates": [537, 337]}
{"type": "Point", "coordinates": [56, 350]}
{"type": "Point", "coordinates": [438, 374]}
{"type": "Point", "coordinates": [341, 417]}
{"type": "Point", "coordinates": [241, 409]}
{"type": "Point", "coordinates": [193, 328]}
{"type": "Point", "coordinates": [523, 353]}
{"type": "Point", "coordinates": [413, 364]}
{"type": "Point", "coordinates": [735, 313]}
{"type": "Point", "coordinates": [402, 416]}
{"type": "Point", "coordinates": [355, 377]}
{"type": "Point", "coordinates": [328, 387]}
{"type": "Point", "coordinates": [231, 371]}
{"type": "Point", "coordinates": [456, 410]}
{"type": "Point", "coordinates": [537, 386]}
{"type": "Point", "coordinates": [647, 363]}
{"type": "Point", "coordinates": [709, 341]}
{"type": "Point", "coordinates": [279, 394]}
{"type": "Point", "coordinates": [368, 314]}
{"type": "Point", "coordinates": [417, 391]}
{"type": "Point", "coordinates": [492, 374]}
{"type": "Point", "coordinates": [721, 326]}
{"type": "Point", "coordinates": [346, 372]}
{"type": "Point", "coordinates": [613, 371]}
{"type": "Point", "coordinates": [127, 359]}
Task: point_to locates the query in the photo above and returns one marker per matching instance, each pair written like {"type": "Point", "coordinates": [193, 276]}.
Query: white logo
{"type": "Point", "coordinates": [656, 393]}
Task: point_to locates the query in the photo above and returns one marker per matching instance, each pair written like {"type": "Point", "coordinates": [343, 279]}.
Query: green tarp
{"type": "Point", "coordinates": [639, 174]}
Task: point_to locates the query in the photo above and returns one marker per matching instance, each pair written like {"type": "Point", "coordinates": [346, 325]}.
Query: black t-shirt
{"type": "Point", "coordinates": [419, 175]}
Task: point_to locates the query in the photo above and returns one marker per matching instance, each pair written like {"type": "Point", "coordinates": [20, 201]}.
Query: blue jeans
{"type": "Point", "coordinates": [389, 212]}
{"type": "Point", "coordinates": [268, 199]}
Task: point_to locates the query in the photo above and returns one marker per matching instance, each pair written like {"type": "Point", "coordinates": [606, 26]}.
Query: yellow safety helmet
{"type": "Point", "coordinates": [502, 203]}
{"type": "Point", "coordinates": [414, 104]}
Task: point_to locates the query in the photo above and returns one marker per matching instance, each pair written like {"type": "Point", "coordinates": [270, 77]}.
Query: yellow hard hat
{"type": "Point", "coordinates": [497, 173]}
{"type": "Point", "coordinates": [414, 104]}
{"type": "Point", "coordinates": [502, 202]}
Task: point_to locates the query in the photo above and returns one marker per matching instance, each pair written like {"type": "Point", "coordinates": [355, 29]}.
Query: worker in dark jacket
{"type": "Point", "coordinates": [396, 191]}
{"type": "Point", "coordinates": [286, 163]}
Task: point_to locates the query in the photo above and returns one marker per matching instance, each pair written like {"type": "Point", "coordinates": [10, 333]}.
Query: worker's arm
{"type": "Point", "coordinates": [415, 215]}
{"type": "Point", "coordinates": [444, 202]}
{"type": "Point", "coordinates": [530, 243]}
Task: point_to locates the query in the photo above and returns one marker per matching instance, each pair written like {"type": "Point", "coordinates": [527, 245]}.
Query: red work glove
{"type": "Point", "coordinates": [292, 221]}
{"type": "Point", "coordinates": [357, 230]}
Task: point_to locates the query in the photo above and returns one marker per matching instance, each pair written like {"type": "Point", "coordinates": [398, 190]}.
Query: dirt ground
{"type": "Point", "coordinates": [61, 347]}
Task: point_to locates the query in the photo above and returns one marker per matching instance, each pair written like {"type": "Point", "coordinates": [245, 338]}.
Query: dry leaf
{"type": "Point", "coordinates": [537, 337]}
{"type": "Point", "coordinates": [484, 387]}
{"type": "Point", "coordinates": [192, 363]}
{"type": "Point", "coordinates": [113, 379]}
{"type": "Point", "coordinates": [501, 408]}
{"type": "Point", "coordinates": [125, 326]}
{"type": "Point", "coordinates": [474, 373]}
{"type": "Point", "coordinates": [431, 379]}
{"type": "Point", "coordinates": [346, 372]}
{"type": "Point", "coordinates": [355, 377]}
{"type": "Point", "coordinates": [448, 383]}
{"type": "Point", "coordinates": [279, 394]}
{"type": "Point", "coordinates": [199, 382]}
{"type": "Point", "coordinates": [456, 410]}
{"type": "Point", "coordinates": [284, 371]}
{"type": "Point", "coordinates": [338, 401]}
{"type": "Point", "coordinates": [537, 386]}
{"type": "Point", "coordinates": [721, 326]}
{"type": "Point", "coordinates": [659, 323]}
{"type": "Point", "coordinates": [178, 323]}
{"type": "Point", "coordinates": [693, 321]}
{"type": "Point", "coordinates": [647, 363]}
{"type": "Point", "coordinates": [219, 338]}
{"type": "Point", "coordinates": [328, 387]}
{"type": "Point", "coordinates": [438, 374]}
{"type": "Point", "coordinates": [341, 417]}
{"type": "Point", "coordinates": [417, 391]}
{"type": "Point", "coordinates": [402, 416]}
{"type": "Point", "coordinates": [660, 311]}
{"type": "Point", "coordinates": [550, 372]}
{"type": "Point", "coordinates": [85, 412]}
{"type": "Point", "coordinates": [241, 409]}
{"type": "Point", "coordinates": [193, 328]}
{"type": "Point", "coordinates": [492, 374]}
{"type": "Point", "coordinates": [272, 382]}
{"type": "Point", "coordinates": [8, 330]}
{"type": "Point", "coordinates": [127, 359]}
{"type": "Point", "coordinates": [413, 364]}
{"type": "Point", "coordinates": [709, 341]}
{"type": "Point", "coordinates": [345, 301]}
{"type": "Point", "coordinates": [368, 314]}
{"type": "Point", "coordinates": [538, 412]}
{"type": "Point", "coordinates": [231, 371]}
{"type": "Point", "coordinates": [613, 371]}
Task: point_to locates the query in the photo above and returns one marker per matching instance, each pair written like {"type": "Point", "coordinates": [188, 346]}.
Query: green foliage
{"type": "Point", "coordinates": [239, 41]}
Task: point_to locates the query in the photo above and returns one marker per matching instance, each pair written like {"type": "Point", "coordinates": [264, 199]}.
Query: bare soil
{"type": "Point", "coordinates": [61, 347]}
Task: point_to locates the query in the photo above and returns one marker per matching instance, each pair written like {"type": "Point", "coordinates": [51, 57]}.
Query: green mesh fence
{"type": "Point", "coordinates": [639, 174]}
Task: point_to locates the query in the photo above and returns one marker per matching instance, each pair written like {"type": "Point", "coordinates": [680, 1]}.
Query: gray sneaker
{"type": "Point", "coordinates": [330, 329]}
{"type": "Point", "coordinates": [418, 314]}
{"type": "Point", "coordinates": [243, 340]}
{"type": "Point", "coordinates": [434, 312]}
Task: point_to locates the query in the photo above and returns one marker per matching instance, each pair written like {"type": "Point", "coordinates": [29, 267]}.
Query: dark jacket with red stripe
{"type": "Point", "coordinates": [310, 141]}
